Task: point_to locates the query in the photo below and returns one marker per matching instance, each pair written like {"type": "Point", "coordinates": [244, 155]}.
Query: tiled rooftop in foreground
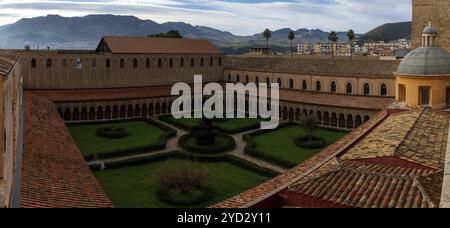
{"type": "Point", "coordinates": [396, 160]}
{"type": "Point", "coordinates": [54, 171]}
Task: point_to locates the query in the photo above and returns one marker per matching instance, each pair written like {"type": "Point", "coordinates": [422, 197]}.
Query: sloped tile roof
{"type": "Point", "coordinates": [54, 173]}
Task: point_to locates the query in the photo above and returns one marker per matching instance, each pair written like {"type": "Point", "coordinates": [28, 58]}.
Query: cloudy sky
{"type": "Point", "coordinates": [241, 17]}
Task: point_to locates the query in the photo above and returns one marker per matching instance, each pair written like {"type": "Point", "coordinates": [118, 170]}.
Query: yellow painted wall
{"type": "Point", "coordinates": [437, 93]}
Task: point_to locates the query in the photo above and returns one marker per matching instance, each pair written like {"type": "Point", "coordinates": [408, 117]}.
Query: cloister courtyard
{"type": "Point", "coordinates": [131, 158]}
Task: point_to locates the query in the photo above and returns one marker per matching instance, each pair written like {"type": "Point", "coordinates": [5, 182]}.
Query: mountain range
{"type": "Point", "coordinates": [59, 32]}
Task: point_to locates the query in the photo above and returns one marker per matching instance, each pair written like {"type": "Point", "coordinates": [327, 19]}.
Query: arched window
{"type": "Point", "coordinates": [202, 62]}
{"type": "Point", "coordinates": [170, 62]}
{"type": "Point", "coordinates": [182, 62]}
{"type": "Point", "coordinates": [135, 63]}
{"type": "Point", "coordinates": [238, 78]}
{"type": "Point", "coordinates": [291, 84]}
{"type": "Point", "coordinates": [220, 61]}
{"type": "Point", "coordinates": [33, 63]}
{"type": "Point", "coordinates": [349, 88]}
{"type": "Point", "coordinates": [304, 85]}
{"type": "Point", "coordinates": [318, 86]}
{"type": "Point", "coordinates": [159, 62]}
{"type": "Point", "coordinates": [211, 61]}
{"type": "Point", "coordinates": [366, 89]}
{"type": "Point", "coordinates": [147, 63]}
{"type": "Point", "coordinates": [229, 77]}
{"type": "Point", "coordinates": [247, 79]}
{"type": "Point", "coordinates": [383, 90]}
{"type": "Point", "coordinates": [279, 82]}
{"type": "Point", "coordinates": [192, 62]}
{"type": "Point", "coordinates": [333, 87]}
{"type": "Point", "coordinates": [49, 63]}
{"type": "Point", "coordinates": [122, 63]}
{"type": "Point", "coordinates": [108, 63]}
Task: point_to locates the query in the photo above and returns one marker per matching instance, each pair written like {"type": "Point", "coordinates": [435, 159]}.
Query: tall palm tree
{"type": "Point", "coordinates": [333, 38]}
{"type": "Point", "coordinates": [267, 35]}
{"type": "Point", "coordinates": [351, 38]}
{"type": "Point", "coordinates": [291, 37]}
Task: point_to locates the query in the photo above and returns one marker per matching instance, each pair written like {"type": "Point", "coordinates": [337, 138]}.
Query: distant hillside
{"type": "Point", "coordinates": [389, 32]}
{"type": "Point", "coordinates": [59, 32]}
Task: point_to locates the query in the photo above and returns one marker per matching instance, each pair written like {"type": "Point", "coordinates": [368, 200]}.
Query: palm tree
{"type": "Point", "coordinates": [351, 38]}
{"type": "Point", "coordinates": [291, 37]}
{"type": "Point", "coordinates": [333, 38]}
{"type": "Point", "coordinates": [267, 35]}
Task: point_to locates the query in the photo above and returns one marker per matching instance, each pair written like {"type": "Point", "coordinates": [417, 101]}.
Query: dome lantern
{"type": "Point", "coordinates": [429, 36]}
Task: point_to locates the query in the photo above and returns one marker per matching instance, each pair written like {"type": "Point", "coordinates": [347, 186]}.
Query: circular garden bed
{"type": "Point", "coordinates": [310, 142]}
{"type": "Point", "coordinates": [222, 144]}
{"type": "Point", "coordinates": [113, 132]}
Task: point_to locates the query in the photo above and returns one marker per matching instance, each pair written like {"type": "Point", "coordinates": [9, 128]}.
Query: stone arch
{"type": "Point", "coordinates": [157, 109]}
{"type": "Point", "coordinates": [84, 114]}
{"type": "Point", "coordinates": [122, 63]}
{"type": "Point", "coordinates": [135, 63]}
{"type": "Point", "coordinates": [291, 115]}
{"type": "Point", "coordinates": [151, 110]}
{"type": "Point", "coordinates": [304, 85]}
{"type": "Point", "coordinates": [115, 112]}
{"type": "Point", "coordinates": [67, 115]}
{"type": "Point", "coordinates": [137, 110]}
{"type": "Point", "coordinates": [92, 114]}
{"type": "Point", "coordinates": [350, 124]}
{"type": "Point", "coordinates": [76, 115]}
{"type": "Point", "coordinates": [305, 113]}
{"type": "Point", "coordinates": [108, 113]}
{"type": "Point", "coordinates": [147, 63]}
{"type": "Point", "coordinates": [130, 111]}
{"type": "Point", "coordinates": [298, 114]}
{"type": "Point", "coordinates": [285, 113]}
{"type": "Point", "coordinates": [383, 90]}
{"type": "Point", "coordinates": [33, 63]}
{"type": "Point", "coordinates": [49, 63]}
{"type": "Point", "coordinates": [366, 89]}
{"type": "Point", "coordinates": [349, 88]}
{"type": "Point", "coordinates": [358, 121]}
{"type": "Point", "coordinates": [100, 113]}
{"type": "Point", "coordinates": [144, 110]}
{"type": "Point", "coordinates": [319, 117]}
{"type": "Point", "coordinates": [123, 112]}
{"type": "Point", "coordinates": [318, 86]}
{"type": "Point", "coordinates": [341, 121]}
{"type": "Point", "coordinates": [164, 108]}
{"type": "Point", "coordinates": [291, 84]}
{"type": "Point", "coordinates": [334, 120]}
{"type": "Point", "coordinates": [326, 119]}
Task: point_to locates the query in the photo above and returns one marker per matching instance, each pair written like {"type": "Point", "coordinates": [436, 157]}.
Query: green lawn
{"type": "Point", "coordinates": [281, 143]}
{"type": "Point", "coordinates": [134, 187]}
{"type": "Point", "coordinates": [141, 134]}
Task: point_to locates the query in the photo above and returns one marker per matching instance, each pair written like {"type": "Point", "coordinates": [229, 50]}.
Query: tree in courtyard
{"type": "Point", "coordinates": [310, 125]}
{"type": "Point", "coordinates": [291, 37]}
{"type": "Point", "coordinates": [267, 34]}
{"type": "Point", "coordinates": [333, 38]}
{"type": "Point", "coordinates": [351, 38]}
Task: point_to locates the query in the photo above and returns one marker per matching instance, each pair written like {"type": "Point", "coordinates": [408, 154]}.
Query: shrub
{"type": "Point", "coordinates": [310, 142]}
{"type": "Point", "coordinates": [112, 132]}
{"type": "Point", "coordinates": [184, 184]}
{"type": "Point", "coordinates": [223, 143]}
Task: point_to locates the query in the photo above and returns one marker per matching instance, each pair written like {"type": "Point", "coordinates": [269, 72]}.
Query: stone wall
{"type": "Point", "coordinates": [83, 70]}
{"type": "Point", "coordinates": [438, 13]}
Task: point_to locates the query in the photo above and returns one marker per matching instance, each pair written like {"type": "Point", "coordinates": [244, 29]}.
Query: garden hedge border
{"type": "Point", "coordinates": [192, 157]}
{"type": "Point", "coordinates": [229, 146]}
{"type": "Point", "coordinates": [159, 145]}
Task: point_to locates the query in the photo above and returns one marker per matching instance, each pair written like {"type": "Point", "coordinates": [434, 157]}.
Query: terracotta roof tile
{"type": "Point", "coordinates": [54, 173]}
{"type": "Point", "coordinates": [7, 61]}
{"type": "Point", "coordinates": [151, 45]}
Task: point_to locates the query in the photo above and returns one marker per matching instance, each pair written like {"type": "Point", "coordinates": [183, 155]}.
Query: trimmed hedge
{"type": "Point", "coordinates": [229, 145]}
{"type": "Point", "coordinates": [315, 143]}
{"type": "Point", "coordinates": [112, 132]}
{"type": "Point", "coordinates": [159, 145]}
{"type": "Point", "coordinates": [192, 157]}
{"type": "Point", "coordinates": [239, 130]}
{"type": "Point", "coordinates": [169, 119]}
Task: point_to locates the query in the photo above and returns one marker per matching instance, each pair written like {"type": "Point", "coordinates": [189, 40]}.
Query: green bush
{"type": "Point", "coordinates": [184, 184]}
{"type": "Point", "coordinates": [112, 132]}
{"type": "Point", "coordinates": [223, 143]}
{"type": "Point", "coordinates": [312, 142]}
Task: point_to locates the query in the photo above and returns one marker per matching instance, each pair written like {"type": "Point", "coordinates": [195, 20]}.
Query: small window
{"type": "Point", "coordinates": [220, 61]}
{"type": "Point", "coordinates": [333, 87]}
{"type": "Point", "coordinates": [202, 62]}
{"type": "Point", "coordinates": [49, 63]}
{"type": "Point", "coordinates": [279, 82]}
{"type": "Point", "coordinates": [122, 63]}
{"type": "Point", "coordinates": [211, 61]}
{"type": "Point", "coordinates": [170, 62]}
{"type": "Point", "coordinates": [159, 63]}
{"type": "Point", "coordinates": [108, 63]}
{"type": "Point", "coordinates": [366, 89]}
{"type": "Point", "coordinates": [192, 62]}
{"type": "Point", "coordinates": [257, 81]}
{"type": "Point", "coordinates": [33, 63]}
{"type": "Point", "coordinates": [147, 63]}
{"type": "Point", "coordinates": [383, 89]}
{"type": "Point", "coordinates": [304, 85]}
{"type": "Point", "coordinates": [318, 86]}
{"type": "Point", "coordinates": [238, 78]}
{"type": "Point", "coordinates": [229, 77]}
{"type": "Point", "coordinates": [349, 88]}
{"type": "Point", "coordinates": [135, 63]}
{"type": "Point", "coordinates": [247, 79]}
{"type": "Point", "coordinates": [182, 62]}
